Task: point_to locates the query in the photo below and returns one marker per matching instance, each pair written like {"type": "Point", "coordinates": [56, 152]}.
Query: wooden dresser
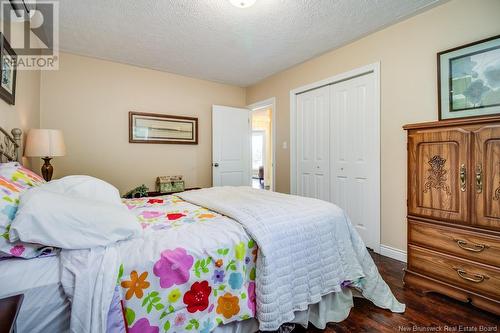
{"type": "Point", "coordinates": [454, 209]}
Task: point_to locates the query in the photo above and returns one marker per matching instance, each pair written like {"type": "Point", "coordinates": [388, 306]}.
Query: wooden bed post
{"type": "Point", "coordinates": [16, 134]}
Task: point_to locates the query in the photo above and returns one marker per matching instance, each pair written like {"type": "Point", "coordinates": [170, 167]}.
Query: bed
{"type": "Point", "coordinates": [211, 260]}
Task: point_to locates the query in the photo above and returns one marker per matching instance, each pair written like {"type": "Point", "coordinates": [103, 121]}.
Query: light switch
{"type": "Point", "coordinates": [285, 145]}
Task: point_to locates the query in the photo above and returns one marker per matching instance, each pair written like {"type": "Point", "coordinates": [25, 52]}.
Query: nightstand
{"type": "Point", "coordinates": [158, 194]}
{"type": "Point", "coordinates": [9, 308]}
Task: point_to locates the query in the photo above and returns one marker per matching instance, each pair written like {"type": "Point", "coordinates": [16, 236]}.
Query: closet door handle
{"type": "Point", "coordinates": [463, 178]}
{"type": "Point", "coordinates": [479, 179]}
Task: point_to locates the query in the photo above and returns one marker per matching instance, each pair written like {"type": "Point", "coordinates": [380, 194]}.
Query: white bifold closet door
{"type": "Point", "coordinates": [354, 153]}
{"type": "Point", "coordinates": [313, 137]}
{"type": "Point", "coordinates": [337, 151]}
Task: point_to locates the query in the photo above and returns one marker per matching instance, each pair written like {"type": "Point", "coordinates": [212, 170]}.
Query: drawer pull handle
{"type": "Point", "coordinates": [474, 248]}
{"type": "Point", "coordinates": [463, 178]}
{"type": "Point", "coordinates": [479, 179]}
{"type": "Point", "coordinates": [477, 278]}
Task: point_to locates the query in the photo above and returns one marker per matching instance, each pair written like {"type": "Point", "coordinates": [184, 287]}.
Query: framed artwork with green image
{"type": "Point", "coordinates": [469, 80]}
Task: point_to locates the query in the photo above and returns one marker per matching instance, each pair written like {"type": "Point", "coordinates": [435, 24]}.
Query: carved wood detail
{"type": "Point", "coordinates": [434, 171]}
{"type": "Point", "coordinates": [437, 175]}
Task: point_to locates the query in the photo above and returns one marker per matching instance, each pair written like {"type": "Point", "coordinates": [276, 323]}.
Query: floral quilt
{"type": "Point", "coordinates": [194, 269]}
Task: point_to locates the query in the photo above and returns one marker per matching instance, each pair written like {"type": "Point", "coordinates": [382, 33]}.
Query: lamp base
{"type": "Point", "coordinates": [47, 169]}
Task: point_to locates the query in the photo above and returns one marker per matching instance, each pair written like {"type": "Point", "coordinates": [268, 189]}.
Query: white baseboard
{"type": "Point", "coordinates": [392, 252]}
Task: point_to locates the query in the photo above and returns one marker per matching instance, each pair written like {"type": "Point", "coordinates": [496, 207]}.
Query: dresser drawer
{"type": "Point", "coordinates": [481, 279]}
{"type": "Point", "coordinates": [465, 244]}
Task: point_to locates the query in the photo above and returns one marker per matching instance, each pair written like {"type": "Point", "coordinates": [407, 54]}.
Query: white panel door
{"type": "Point", "coordinates": [313, 141]}
{"type": "Point", "coordinates": [230, 146]}
{"type": "Point", "coordinates": [355, 155]}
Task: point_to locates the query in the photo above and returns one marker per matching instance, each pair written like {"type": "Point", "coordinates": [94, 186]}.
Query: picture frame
{"type": "Point", "coordinates": [8, 71]}
{"type": "Point", "coordinates": [469, 80]}
{"type": "Point", "coordinates": [162, 128]}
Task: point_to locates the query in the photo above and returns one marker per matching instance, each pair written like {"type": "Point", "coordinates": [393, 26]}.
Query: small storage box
{"type": "Point", "coordinates": [169, 184]}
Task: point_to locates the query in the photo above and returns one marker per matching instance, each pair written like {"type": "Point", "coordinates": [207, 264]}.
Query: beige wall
{"type": "Point", "coordinates": [407, 53]}
{"type": "Point", "coordinates": [89, 99]}
{"type": "Point", "coordinates": [25, 114]}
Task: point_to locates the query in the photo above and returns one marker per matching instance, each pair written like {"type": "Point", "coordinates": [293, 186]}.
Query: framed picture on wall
{"type": "Point", "coordinates": [469, 80]}
{"type": "Point", "coordinates": [8, 71]}
{"type": "Point", "coordinates": [160, 128]}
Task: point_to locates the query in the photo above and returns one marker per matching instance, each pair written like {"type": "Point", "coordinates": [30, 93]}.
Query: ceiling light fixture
{"type": "Point", "coordinates": [243, 3]}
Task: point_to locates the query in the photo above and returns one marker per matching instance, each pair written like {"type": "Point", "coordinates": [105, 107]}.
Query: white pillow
{"type": "Point", "coordinates": [69, 222]}
{"type": "Point", "coordinates": [85, 187]}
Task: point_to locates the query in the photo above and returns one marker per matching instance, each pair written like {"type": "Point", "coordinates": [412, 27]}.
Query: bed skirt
{"type": "Point", "coordinates": [334, 307]}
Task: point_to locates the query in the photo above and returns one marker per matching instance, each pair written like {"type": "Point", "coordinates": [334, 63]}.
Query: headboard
{"type": "Point", "coordinates": [10, 145]}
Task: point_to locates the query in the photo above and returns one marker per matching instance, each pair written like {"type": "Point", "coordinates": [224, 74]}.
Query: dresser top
{"type": "Point", "coordinates": [453, 122]}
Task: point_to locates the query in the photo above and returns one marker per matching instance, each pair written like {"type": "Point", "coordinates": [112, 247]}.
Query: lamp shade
{"type": "Point", "coordinates": [45, 143]}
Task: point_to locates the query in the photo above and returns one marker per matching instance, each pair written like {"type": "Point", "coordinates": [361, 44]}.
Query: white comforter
{"type": "Point", "coordinates": [308, 248]}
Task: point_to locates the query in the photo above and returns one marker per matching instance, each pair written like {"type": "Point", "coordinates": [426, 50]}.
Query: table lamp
{"type": "Point", "coordinates": [45, 143]}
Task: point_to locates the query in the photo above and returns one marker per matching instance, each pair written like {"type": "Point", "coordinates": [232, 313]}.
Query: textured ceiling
{"type": "Point", "coordinates": [211, 39]}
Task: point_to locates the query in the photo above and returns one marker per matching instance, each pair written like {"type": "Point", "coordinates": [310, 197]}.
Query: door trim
{"type": "Point", "coordinates": [270, 102]}
{"type": "Point", "coordinates": [371, 68]}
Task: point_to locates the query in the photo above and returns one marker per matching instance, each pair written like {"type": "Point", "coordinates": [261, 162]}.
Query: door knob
{"type": "Point", "coordinates": [216, 165]}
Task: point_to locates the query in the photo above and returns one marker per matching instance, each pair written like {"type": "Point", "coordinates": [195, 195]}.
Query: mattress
{"type": "Point", "coordinates": [44, 308]}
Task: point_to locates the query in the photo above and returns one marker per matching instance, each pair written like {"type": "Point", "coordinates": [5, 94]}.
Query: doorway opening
{"type": "Point", "coordinates": [262, 131]}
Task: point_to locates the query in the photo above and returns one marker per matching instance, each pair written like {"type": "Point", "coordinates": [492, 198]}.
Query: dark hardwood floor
{"type": "Point", "coordinates": [424, 313]}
